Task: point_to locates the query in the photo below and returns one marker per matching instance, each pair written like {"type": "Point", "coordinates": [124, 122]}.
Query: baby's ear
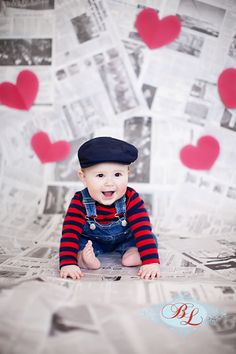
{"type": "Point", "coordinates": [81, 176]}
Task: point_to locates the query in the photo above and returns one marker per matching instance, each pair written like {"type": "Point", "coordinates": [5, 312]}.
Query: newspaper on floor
{"type": "Point", "coordinates": [48, 318]}
{"type": "Point", "coordinates": [42, 260]}
{"type": "Point", "coordinates": [219, 257]}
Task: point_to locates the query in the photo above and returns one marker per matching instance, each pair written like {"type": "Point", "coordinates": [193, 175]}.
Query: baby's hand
{"type": "Point", "coordinates": [147, 271]}
{"type": "Point", "coordinates": [71, 271]}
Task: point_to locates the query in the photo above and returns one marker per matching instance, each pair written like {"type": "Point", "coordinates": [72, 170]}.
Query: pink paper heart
{"type": "Point", "coordinates": [155, 32]}
{"type": "Point", "coordinates": [227, 87]}
{"type": "Point", "coordinates": [47, 151]}
{"type": "Point", "coordinates": [202, 156]}
{"type": "Point", "coordinates": [22, 94]}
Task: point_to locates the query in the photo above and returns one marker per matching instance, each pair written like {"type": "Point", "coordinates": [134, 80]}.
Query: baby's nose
{"type": "Point", "coordinates": [109, 181]}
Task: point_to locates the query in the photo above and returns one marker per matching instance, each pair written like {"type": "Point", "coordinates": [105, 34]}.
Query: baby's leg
{"type": "Point", "coordinates": [87, 258]}
{"type": "Point", "coordinates": [131, 257]}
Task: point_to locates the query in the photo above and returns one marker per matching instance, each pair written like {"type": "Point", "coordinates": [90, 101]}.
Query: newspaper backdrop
{"type": "Point", "coordinates": [98, 78]}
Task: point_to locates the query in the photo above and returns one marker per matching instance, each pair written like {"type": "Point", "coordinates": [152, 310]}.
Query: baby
{"type": "Point", "coordinates": [107, 215]}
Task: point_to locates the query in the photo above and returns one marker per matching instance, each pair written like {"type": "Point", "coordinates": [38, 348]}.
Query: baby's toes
{"type": "Point", "coordinates": [86, 252]}
{"type": "Point", "coordinates": [89, 250]}
{"type": "Point", "coordinates": [88, 245]}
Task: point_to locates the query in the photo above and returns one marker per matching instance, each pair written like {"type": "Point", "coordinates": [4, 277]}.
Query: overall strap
{"type": "Point", "coordinates": [120, 205]}
{"type": "Point", "coordinates": [89, 203]}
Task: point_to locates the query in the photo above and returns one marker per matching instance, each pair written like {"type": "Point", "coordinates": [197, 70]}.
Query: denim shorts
{"type": "Point", "coordinates": [100, 247]}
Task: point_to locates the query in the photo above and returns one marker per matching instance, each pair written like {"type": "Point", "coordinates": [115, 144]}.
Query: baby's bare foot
{"type": "Point", "coordinates": [87, 258]}
{"type": "Point", "coordinates": [131, 257]}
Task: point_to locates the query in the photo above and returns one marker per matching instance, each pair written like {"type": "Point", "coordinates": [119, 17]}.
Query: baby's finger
{"type": "Point", "coordinates": [145, 275]}
{"type": "Point", "coordinates": [62, 273]}
{"type": "Point", "coordinates": [78, 270]}
{"type": "Point", "coordinates": [154, 275]}
{"type": "Point", "coordinates": [72, 274]}
{"type": "Point", "coordinates": [79, 274]}
{"type": "Point", "coordinates": [65, 275]}
{"type": "Point", "coordinates": [141, 274]}
{"type": "Point", "coordinates": [148, 275]}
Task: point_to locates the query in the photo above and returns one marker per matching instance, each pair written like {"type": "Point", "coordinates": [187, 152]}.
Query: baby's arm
{"type": "Point", "coordinates": [140, 224]}
{"type": "Point", "coordinates": [69, 245]}
{"type": "Point", "coordinates": [71, 271]}
{"type": "Point", "coordinates": [147, 271]}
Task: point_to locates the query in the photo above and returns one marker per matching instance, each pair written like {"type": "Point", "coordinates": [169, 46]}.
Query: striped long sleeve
{"type": "Point", "coordinates": [73, 224]}
{"type": "Point", "coordinates": [140, 225]}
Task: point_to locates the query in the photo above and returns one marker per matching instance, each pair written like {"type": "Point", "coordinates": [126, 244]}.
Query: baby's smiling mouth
{"type": "Point", "coordinates": [108, 193]}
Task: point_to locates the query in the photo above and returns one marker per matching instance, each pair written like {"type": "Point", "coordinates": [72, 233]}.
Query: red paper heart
{"type": "Point", "coordinates": [202, 156]}
{"type": "Point", "coordinates": [227, 87]}
{"type": "Point", "coordinates": [22, 94]}
{"type": "Point", "coordinates": [47, 151]}
{"type": "Point", "coordinates": [155, 32]}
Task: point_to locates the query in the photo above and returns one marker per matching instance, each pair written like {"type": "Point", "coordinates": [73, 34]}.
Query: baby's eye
{"type": "Point", "coordinates": [118, 174]}
{"type": "Point", "coordinates": [100, 175]}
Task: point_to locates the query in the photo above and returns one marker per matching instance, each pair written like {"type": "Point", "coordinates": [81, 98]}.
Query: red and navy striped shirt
{"type": "Point", "coordinates": [136, 216]}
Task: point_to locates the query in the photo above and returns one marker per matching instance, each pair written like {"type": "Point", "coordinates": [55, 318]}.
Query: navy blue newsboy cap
{"type": "Point", "coordinates": [106, 149]}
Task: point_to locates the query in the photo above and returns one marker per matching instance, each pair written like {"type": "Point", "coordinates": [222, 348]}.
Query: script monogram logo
{"type": "Point", "coordinates": [183, 314]}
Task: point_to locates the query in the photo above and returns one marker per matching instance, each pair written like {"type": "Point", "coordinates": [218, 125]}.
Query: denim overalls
{"type": "Point", "coordinates": [114, 236]}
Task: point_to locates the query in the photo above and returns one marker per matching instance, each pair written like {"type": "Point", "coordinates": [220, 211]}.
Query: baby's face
{"type": "Point", "coordinates": [106, 182]}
